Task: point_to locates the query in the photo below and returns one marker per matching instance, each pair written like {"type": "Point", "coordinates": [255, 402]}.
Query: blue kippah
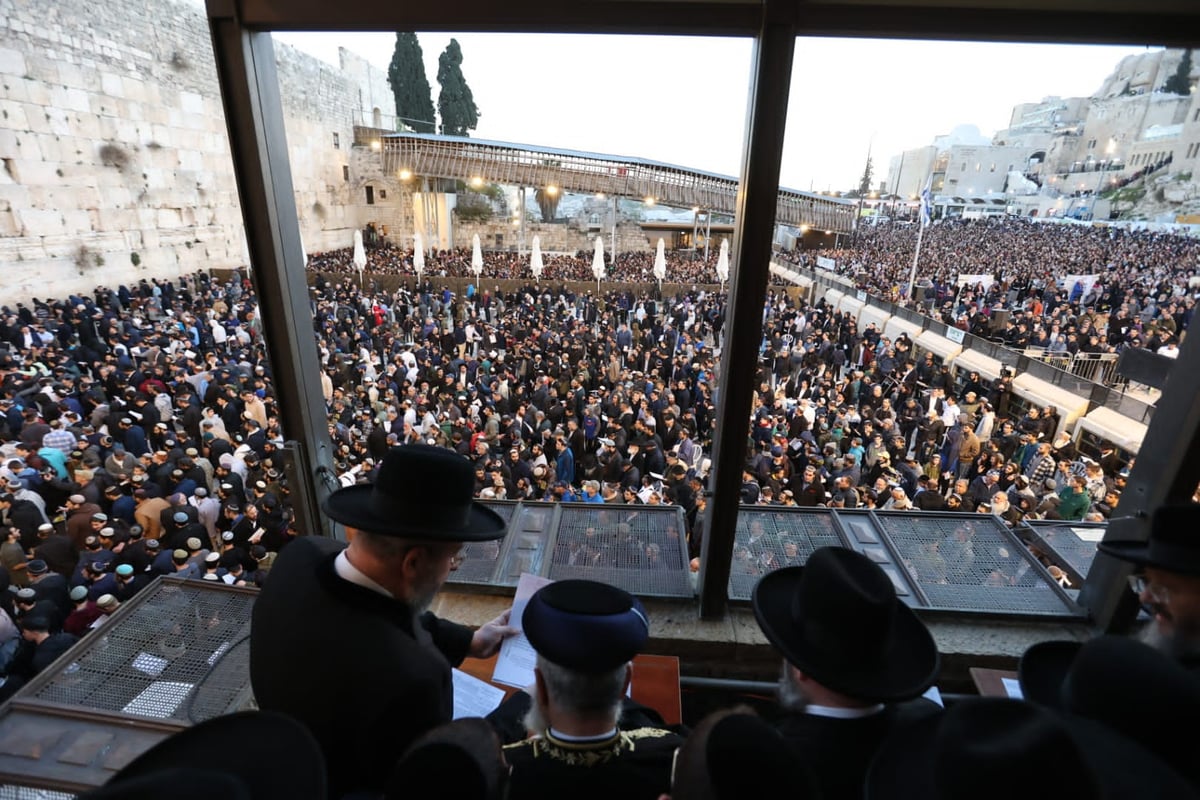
{"type": "Point", "coordinates": [585, 625]}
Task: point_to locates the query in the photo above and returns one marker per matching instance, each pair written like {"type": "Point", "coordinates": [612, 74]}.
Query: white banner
{"type": "Point", "coordinates": [974, 280]}
{"type": "Point", "coordinates": [826, 263]}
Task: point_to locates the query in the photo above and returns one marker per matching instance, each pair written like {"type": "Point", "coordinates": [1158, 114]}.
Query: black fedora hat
{"type": "Point", "coordinates": [420, 492]}
{"type": "Point", "coordinates": [989, 748]}
{"type": "Point", "coordinates": [837, 619]}
{"type": "Point", "coordinates": [1042, 668]}
{"type": "Point", "coordinates": [257, 755]}
{"type": "Point", "coordinates": [1125, 684]}
{"type": "Point", "coordinates": [1173, 544]}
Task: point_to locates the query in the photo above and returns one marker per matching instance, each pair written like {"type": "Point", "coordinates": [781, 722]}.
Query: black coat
{"type": "Point", "coordinates": [364, 673]}
{"type": "Point", "coordinates": [839, 751]}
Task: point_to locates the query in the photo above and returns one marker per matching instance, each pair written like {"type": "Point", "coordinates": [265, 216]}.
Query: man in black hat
{"type": "Point", "coordinates": [1167, 580]}
{"type": "Point", "coordinates": [586, 635]}
{"type": "Point", "coordinates": [354, 617]}
{"type": "Point", "coordinates": [853, 653]}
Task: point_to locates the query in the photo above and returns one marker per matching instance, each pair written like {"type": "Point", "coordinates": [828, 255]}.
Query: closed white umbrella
{"type": "Point", "coordinates": [476, 257]}
{"type": "Point", "coordinates": [598, 261]}
{"type": "Point", "coordinates": [418, 255]}
{"type": "Point", "coordinates": [303, 251]}
{"type": "Point", "coordinates": [360, 254]}
{"type": "Point", "coordinates": [660, 262]}
{"type": "Point", "coordinates": [723, 261]}
{"type": "Point", "coordinates": [535, 258]}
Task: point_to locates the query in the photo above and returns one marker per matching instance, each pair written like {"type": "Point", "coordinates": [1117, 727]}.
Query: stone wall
{"type": "Point", "coordinates": [116, 162]}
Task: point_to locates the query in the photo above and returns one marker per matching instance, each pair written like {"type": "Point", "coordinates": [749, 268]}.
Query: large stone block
{"type": "Point", "coordinates": [39, 222]}
{"type": "Point", "coordinates": [12, 62]}
{"type": "Point", "coordinates": [112, 85]}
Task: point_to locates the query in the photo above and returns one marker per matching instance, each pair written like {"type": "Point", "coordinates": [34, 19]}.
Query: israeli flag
{"type": "Point", "coordinates": [927, 202]}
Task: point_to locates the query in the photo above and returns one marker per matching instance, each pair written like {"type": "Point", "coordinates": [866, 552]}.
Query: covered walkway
{"type": "Point", "coordinates": [427, 155]}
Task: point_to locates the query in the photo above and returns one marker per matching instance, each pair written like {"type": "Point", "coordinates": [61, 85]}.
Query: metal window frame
{"type": "Point", "coordinates": [242, 45]}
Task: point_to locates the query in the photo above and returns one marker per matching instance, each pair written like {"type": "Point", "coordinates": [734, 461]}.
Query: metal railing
{"type": "Point", "coordinates": [1094, 367]}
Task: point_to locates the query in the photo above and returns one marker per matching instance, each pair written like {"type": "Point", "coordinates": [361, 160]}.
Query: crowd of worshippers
{"type": "Point", "coordinates": [132, 445]}
{"type": "Point", "coordinates": [854, 713]}
{"type": "Point", "coordinates": [632, 266]}
{"type": "Point", "coordinates": [1144, 294]}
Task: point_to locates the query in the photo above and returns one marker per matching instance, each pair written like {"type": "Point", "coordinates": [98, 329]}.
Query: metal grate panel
{"type": "Point", "coordinates": [179, 648]}
{"type": "Point", "coordinates": [527, 542]}
{"type": "Point", "coordinates": [641, 549]}
{"type": "Point", "coordinates": [29, 793]}
{"type": "Point", "coordinates": [1071, 546]}
{"type": "Point", "coordinates": [480, 558]}
{"type": "Point", "coordinates": [767, 540]}
{"type": "Point", "coordinates": [970, 562]}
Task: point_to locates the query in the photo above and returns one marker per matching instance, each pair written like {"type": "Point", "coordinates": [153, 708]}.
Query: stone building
{"type": "Point", "coordinates": [116, 155]}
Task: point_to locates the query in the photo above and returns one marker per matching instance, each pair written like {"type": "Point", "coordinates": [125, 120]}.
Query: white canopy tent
{"type": "Point", "coordinates": [1035, 390]}
{"type": "Point", "coordinates": [418, 255]}
{"type": "Point", "coordinates": [476, 257]}
{"type": "Point", "coordinates": [940, 346]}
{"type": "Point", "coordinates": [535, 259]}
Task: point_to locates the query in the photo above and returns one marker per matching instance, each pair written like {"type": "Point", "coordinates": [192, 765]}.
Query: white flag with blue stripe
{"type": "Point", "coordinates": [927, 203]}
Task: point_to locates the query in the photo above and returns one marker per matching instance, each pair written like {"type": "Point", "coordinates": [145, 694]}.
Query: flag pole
{"type": "Point", "coordinates": [925, 219]}
{"type": "Point", "coordinates": [912, 274]}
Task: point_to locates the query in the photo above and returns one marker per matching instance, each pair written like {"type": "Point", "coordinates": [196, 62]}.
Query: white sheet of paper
{"type": "Point", "coordinates": [934, 695]}
{"type": "Point", "coordinates": [517, 658]}
{"type": "Point", "coordinates": [1012, 687]}
{"type": "Point", "coordinates": [473, 697]}
{"type": "Point", "coordinates": [160, 699]}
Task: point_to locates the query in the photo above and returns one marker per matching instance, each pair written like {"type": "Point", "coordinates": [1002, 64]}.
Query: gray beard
{"type": "Point", "coordinates": [1180, 645]}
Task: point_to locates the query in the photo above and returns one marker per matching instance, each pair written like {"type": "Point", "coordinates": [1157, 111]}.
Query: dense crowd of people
{"type": "Point", "coordinates": [140, 432]}
{"type": "Point", "coordinates": [631, 266]}
{"type": "Point", "coordinates": [1143, 295]}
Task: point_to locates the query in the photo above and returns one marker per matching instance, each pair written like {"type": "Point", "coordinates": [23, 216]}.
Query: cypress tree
{"type": "Point", "coordinates": [1181, 81]}
{"type": "Point", "coordinates": [455, 103]}
{"type": "Point", "coordinates": [406, 75]}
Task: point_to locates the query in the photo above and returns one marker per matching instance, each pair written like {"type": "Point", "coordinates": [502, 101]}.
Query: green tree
{"type": "Point", "coordinates": [455, 103]}
{"type": "Point", "coordinates": [864, 183]}
{"type": "Point", "coordinates": [406, 75]}
{"type": "Point", "coordinates": [1181, 81]}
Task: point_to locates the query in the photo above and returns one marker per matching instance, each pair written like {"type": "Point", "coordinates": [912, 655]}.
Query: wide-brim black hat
{"type": "Point", "coordinates": [1042, 668]}
{"type": "Point", "coordinates": [1173, 544]}
{"type": "Point", "coordinates": [259, 755]}
{"type": "Point", "coordinates": [838, 620]}
{"type": "Point", "coordinates": [1133, 688]}
{"type": "Point", "coordinates": [991, 748]}
{"type": "Point", "coordinates": [420, 492]}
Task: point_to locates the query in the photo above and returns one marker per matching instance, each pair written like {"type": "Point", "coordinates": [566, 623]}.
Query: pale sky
{"type": "Point", "coordinates": [682, 100]}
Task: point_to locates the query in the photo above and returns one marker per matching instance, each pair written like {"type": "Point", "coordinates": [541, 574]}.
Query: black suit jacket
{"type": "Point", "coordinates": [362, 671]}
{"type": "Point", "coordinates": [839, 751]}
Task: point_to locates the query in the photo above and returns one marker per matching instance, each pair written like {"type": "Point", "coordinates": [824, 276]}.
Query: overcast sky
{"type": "Point", "coordinates": [682, 100]}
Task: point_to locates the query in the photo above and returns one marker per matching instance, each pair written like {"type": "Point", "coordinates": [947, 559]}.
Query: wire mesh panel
{"type": "Point", "coordinates": [1072, 546]}
{"type": "Point", "coordinates": [641, 549]}
{"type": "Point", "coordinates": [766, 540]}
{"type": "Point", "coordinates": [527, 542]}
{"type": "Point", "coordinates": [864, 534]}
{"type": "Point", "coordinates": [154, 657]}
{"type": "Point", "coordinates": [9, 792]}
{"type": "Point", "coordinates": [970, 562]}
{"type": "Point", "coordinates": [480, 558]}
